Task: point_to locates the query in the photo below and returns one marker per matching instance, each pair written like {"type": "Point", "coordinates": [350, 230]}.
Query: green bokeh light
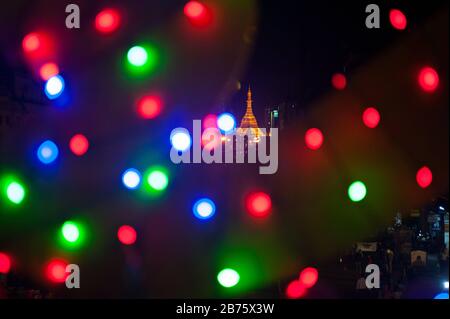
{"type": "Point", "coordinates": [249, 259]}
{"type": "Point", "coordinates": [357, 191]}
{"type": "Point", "coordinates": [72, 234]}
{"type": "Point", "coordinates": [13, 189]}
{"type": "Point", "coordinates": [142, 59]}
{"type": "Point", "coordinates": [158, 180]}
{"type": "Point", "coordinates": [15, 192]}
{"type": "Point", "coordinates": [155, 181]}
{"type": "Point", "coordinates": [228, 277]}
{"type": "Point", "coordinates": [137, 56]}
{"type": "Point", "coordinates": [70, 231]}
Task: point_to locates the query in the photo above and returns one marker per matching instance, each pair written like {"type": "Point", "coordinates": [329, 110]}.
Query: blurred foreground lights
{"type": "Point", "coordinates": [31, 42]}
{"type": "Point", "coordinates": [226, 123]}
{"type": "Point", "coordinates": [127, 235]}
{"type": "Point", "coordinates": [228, 278]}
{"type": "Point", "coordinates": [314, 139]}
{"type": "Point", "coordinates": [194, 9]}
{"type": "Point", "coordinates": [204, 209]}
{"type": "Point", "coordinates": [131, 178]}
{"type": "Point", "coordinates": [398, 19]}
{"type": "Point", "coordinates": [15, 192]}
{"type": "Point", "coordinates": [295, 290]}
{"type": "Point", "coordinates": [79, 144]}
{"type": "Point", "coordinates": [5, 263]}
{"type": "Point", "coordinates": [428, 79]}
{"type": "Point", "coordinates": [70, 231]}
{"type": "Point", "coordinates": [357, 191]}
{"type": "Point", "coordinates": [54, 87]}
{"type": "Point", "coordinates": [309, 277]}
{"type": "Point", "coordinates": [107, 21]}
{"type": "Point", "coordinates": [371, 117]}
{"type": "Point", "coordinates": [339, 81]}
{"type": "Point", "coordinates": [424, 177]}
{"type": "Point", "coordinates": [180, 139]}
{"type": "Point", "coordinates": [137, 56]}
{"type": "Point", "coordinates": [158, 180]}
{"type": "Point", "coordinates": [445, 285]}
{"type": "Point", "coordinates": [259, 204]}
{"type": "Point", "coordinates": [47, 152]}
{"type": "Point", "coordinates": [48, 70]}
{"type": "Point", "coordinates": [197, 13]}
{"type": "Point", "coordinates": [149, 107]}
{"type": "Point", "coordinates": [441, 296]}
{"type": "Point", "coordinates": [209, 121]}
{"type": "Point", "coordinates": [56, 271]}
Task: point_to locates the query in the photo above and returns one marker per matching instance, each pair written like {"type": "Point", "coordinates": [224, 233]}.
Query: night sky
{"type": "Point", "coordinates": [316, 39]}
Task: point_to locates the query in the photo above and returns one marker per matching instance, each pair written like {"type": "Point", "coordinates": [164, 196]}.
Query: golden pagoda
{"type": "Point", "coordinates": [249, 121]}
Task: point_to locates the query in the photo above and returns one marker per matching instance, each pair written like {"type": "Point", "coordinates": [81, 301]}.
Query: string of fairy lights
{"type": "Point", "coordinates": [143, 58]}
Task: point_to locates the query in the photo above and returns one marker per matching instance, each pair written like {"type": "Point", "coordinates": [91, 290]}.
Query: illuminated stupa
{"type": "Point", "coordinates": [249, 121]}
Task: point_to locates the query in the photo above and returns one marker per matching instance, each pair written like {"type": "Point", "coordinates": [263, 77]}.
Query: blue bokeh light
{"type": "Point", "coordinates": [204, 208]}
{"type": "Point", "coordinates": [441, 296]}
{"type": "Point", "coordinates": [226, 123]}
{"type": "Point", "coordinates": [54, 87]}
{"type": "Point", "coordinates": [47, 152]}
{"type": "Point", "coordinates": [131, 178]}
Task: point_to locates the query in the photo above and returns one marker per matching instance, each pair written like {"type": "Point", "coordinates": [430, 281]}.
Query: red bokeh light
{"type": "Point", "coordinates": [107, 20]}
{"type": "Point", "coordinates": [428, 79]}
{"type": "Point", "coordinates": [56, 271]}
{"type": "Point", "coordinates": [295, 290]}
{"type": "Point", "coordinates": [398, 19]}
{"type": "Point", "coordinates": [259, 204]}
{"type": "Point", "coordinates": [194, 9]}
{"type": "Point", "coordinates": [371, 117]}
{"type": "Point", "coordinates": [5, 263]}
{"type": "Point", "coordinates": [31, 42]}
{"type": "Point", "coordinates": [39, 47]}
{"type": "Point", "coordinates": [79, 144]}
{"type": "Point", "coordinates": [309, 277]}
{"type": "Point", "coordinates": [210, 121]}
{"type": "Point", "coordinates": [48, 70]}
{"type": "Point", "coordinates": [339, 81]}
{"type": "Point", "coordinates": [149, 107]}
{"type": "Point", "coordinates": [424, 177]}
{"type": "Point", "coordinates": [314, 139]}
{"type": "Point", "coordinates": [127, 235]}
{"type": "Point", "coordinates": [197, 13]}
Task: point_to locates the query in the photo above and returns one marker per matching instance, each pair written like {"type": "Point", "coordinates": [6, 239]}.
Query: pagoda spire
{"type": "Point", "coordinates": [249, 120]}
{"type": "Point", "coordinates": [249, 110]}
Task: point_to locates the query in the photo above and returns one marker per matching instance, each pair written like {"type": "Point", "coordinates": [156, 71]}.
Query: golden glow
{"type": "Point", "coordinates": [249, 121]}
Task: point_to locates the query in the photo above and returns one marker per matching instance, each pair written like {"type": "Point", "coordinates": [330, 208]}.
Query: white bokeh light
{"type": "Point", "coordinates": [204, 208]}
{"type": "Point", "coordinates": [226, 123]}
{"type": "Point", "coordinates": [180, 139]}
{"type": "Point", "coordinates": [131, 178]}
{"type": "Point", "coordinates": [54, 87]}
